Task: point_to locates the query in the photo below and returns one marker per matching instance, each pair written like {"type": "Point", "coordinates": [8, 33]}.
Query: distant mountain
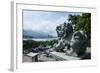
{"type": "Point", "coordinates": [36, 34]}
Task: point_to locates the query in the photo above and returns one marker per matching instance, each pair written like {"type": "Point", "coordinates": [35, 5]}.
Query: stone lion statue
{"type": "Point", "coordinates": [78, 43]}
{"type": "Point", "coordinates": [70, 42]}
{"type": "Point", "coordinates": [64, 32]}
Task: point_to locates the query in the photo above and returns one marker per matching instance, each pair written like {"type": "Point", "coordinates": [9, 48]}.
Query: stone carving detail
{"type": "Point", "coordinates": [70, 42]}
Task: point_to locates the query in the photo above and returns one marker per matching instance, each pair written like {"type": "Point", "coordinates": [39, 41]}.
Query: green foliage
{"type": "Point", "coordinates": [73, 19]}
{"type": "Point", "coordinates": [51, 43]}
{"type": "Point", "coordinates": [82, 22]}
{"type": "Point", "coordinates": [27, 44]}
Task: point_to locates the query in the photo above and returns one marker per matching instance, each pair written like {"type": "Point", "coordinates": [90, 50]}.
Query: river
{"type": "Point", "coordinates": [40, 39]}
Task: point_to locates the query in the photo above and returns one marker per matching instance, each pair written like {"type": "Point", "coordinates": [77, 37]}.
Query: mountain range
{"type": "Point", "coordinates": [36, 34]}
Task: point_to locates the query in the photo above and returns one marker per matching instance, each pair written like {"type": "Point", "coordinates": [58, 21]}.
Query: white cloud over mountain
{"type": "Point", "coordinates": [44, 21]}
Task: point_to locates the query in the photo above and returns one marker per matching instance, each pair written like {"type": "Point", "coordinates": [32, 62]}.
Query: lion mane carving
{"type": "Point", "coordinates": [69, 41]}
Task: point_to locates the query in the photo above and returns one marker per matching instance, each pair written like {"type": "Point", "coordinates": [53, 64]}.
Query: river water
{"type": "Point", "coordinates": [40, 39]}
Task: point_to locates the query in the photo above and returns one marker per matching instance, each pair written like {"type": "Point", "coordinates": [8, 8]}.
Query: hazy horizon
{"type": "Point", "coordinates": [44, 21]}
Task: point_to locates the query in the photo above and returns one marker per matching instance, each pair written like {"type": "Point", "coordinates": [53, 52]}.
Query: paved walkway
{"type": "Point", "coordinates": [41, 58]}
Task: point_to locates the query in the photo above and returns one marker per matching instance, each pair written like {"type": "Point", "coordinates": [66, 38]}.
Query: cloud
{"type": "Point", "coordinates": [44, 21]}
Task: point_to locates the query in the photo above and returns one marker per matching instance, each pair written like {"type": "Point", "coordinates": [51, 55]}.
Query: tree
{"type": "Point", "coordinates": [73, 19]}
{"type": "Point", "coordinates": [82, 22]}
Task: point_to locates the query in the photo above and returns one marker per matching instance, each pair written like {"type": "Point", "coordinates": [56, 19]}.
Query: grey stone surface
{"type": "Point", "coordinates": [64, 32]}
{"type": "Point", "coordinates": [71, 42]}
{"type": "Point", "coordinates": [78, 42]}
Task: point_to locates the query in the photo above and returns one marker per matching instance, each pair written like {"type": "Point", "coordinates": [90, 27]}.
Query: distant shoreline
{"type": "Point", "coordinates": [40, 39]}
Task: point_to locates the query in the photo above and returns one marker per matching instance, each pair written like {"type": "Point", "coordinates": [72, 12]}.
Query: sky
{"type": "Point", "coordinates": [44, 21]}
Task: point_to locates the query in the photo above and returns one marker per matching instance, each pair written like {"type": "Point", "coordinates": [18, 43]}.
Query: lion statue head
{"type": "Point", "coordinates": [64, 32]}
{"type": "Point", "coordinates": [78, 44]}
